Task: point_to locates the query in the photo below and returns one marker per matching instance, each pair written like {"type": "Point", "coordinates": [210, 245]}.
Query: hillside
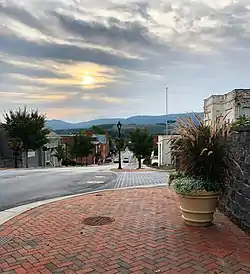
{"type": "Point", "coordinates": [134, 120]}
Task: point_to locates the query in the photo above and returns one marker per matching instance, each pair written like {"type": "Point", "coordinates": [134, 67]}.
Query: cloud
{"type": "Point", "coordinates": [24, 97]}
{"type": "Point", "coordinates": [102, 98]}
{"type": "Point", "coordinates": [103, 54]}
{"type": "Point", "coordinates": [69, 113]}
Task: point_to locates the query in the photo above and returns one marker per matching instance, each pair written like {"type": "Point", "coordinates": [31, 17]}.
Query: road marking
{"type": "Point", "coordinates": [95, 182]}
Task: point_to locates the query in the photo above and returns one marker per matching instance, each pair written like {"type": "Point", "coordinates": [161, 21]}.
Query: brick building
{"type": "Point", "coordinates": [100, 147]}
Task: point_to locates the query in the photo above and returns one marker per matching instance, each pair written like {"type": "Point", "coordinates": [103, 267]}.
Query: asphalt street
{"type": "Point", "coordinates": [22, 186]}
{"type": "Point", "coordinates": [18, 187]}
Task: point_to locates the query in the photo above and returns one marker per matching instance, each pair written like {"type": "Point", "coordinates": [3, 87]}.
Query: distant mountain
{"type": "Point", "coordinates": [136, 120]}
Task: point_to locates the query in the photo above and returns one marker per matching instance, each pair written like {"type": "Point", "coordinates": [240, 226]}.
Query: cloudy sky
{"type": "Point", "coordinates": [82, 59]}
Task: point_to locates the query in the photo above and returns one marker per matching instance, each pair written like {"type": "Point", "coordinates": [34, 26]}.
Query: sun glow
{"type": "Point", "coordinates": [87, 80]}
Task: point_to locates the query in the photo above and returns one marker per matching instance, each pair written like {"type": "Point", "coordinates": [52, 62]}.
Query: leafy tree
{"type": "Point", "coordinates": [15, 144]}
{"type": "Point", "coordinates": [27, 126]}
{"type": "Point", "coordinates": [120, 144]}
{"type": "Point", "coordinates": [60, 153]}
{"type": "Point", "coordinates": [97, 130]}
{"type": "Point", "coordinates": [141, 144]}
{"type": "Point", "coordinates": [81, 146]}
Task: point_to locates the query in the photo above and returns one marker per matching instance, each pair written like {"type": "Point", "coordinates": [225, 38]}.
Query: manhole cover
{"type": "Point", "coordinates": [98, 221]}
{"type": "Point", "coordinates": [4, 240]}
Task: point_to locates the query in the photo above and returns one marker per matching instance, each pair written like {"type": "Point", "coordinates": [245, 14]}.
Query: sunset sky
{"type": "Point", "coordinates": [78, 60]}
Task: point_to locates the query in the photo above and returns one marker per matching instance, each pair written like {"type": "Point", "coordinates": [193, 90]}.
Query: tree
{"type": "Point", "coordinates": [97, 130]}
{"type": "Point", "coordinates": [82, 146]}
{"type": "Point", "coordinates": [27, 126]}
{"type": "Point", "coordinates": [60, 153]}
{"type": "Point", "coordinates": [120, 144]}
{"type": "Point", "coordinates": [141, 144]}
{"type": "Point", "coordinates": [15, 144]}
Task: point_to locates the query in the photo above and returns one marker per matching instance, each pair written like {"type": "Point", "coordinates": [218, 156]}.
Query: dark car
{"type": "Point", "coordinates": [108, 160]}
{"type": "Point", "coordinates": [125, 160]}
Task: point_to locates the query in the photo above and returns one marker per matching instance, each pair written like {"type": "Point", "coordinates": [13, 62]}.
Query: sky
{"type": "Point", "coordinates": [78, 60]}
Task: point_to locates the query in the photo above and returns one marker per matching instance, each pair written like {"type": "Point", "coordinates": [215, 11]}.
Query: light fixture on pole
{"type": "Point", "coordinates": [119, 126]}
{"type": "Point", "coordinates": [166, 110]}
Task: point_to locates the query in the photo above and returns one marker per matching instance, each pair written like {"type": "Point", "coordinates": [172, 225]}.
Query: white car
{"type": "Point", "coordinates": [154, 161]}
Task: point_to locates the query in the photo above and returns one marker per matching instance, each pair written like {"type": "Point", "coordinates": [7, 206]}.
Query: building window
{"type": "Point", "coordinates": [238, 110]}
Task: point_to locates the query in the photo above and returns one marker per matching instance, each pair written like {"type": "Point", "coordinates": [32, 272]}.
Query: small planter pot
{"type": "Point", "coordinates": [198, 210]}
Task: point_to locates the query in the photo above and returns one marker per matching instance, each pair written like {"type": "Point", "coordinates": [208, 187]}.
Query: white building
{"type": "Point", "coordinates": [232, 105]}
{"type": "Point", "coordinates": [49, 155]}
{"type": "Point", "coordinates": [164, 151]}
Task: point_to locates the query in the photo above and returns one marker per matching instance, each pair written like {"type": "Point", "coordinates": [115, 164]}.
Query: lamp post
{"type": "Point", "coordinates": [119, 126]}
{"type": "Point", "coordinates": [166, 110]}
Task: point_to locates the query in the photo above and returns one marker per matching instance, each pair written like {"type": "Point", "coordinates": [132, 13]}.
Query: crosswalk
{"type": "Point", "coordinates": [139, 179]}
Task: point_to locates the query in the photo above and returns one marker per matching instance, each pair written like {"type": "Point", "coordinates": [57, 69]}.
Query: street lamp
{"type": "Point", "coordinates": [119, 126]}
{"type": "Point", "coordinates": [166, 110]}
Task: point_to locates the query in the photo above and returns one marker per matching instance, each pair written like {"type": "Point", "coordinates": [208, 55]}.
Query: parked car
{"type": "Point", "coordinates": [155, 161]}
{"type": "Point", "coordinates": [108, 160]}
{"type": "Point", "coordinates": [116, 160]}
{"type": "Point", "coordinates": [125, 160]}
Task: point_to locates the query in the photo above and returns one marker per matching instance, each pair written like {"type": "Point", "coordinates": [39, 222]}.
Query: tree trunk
{"type": "Point", "coordinates": [86, 160]}
{"type": "Point", "coordinates": [139, 162]}
{"type": "Point", "coordinates": [26, 158]}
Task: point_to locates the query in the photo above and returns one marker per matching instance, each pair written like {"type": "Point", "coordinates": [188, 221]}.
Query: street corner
{"type": "Point", "coordinates": [124, 231]}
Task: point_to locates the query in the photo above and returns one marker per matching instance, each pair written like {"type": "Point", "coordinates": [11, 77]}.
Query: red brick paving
{"type": "Point", "coordinates": [147, 236]}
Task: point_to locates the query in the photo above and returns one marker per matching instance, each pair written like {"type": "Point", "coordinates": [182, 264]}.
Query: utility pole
{"type": "Point", "coordinates": [166, 110]}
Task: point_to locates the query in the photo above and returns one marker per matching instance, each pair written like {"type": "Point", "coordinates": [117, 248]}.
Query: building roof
{"type": "Point", "coordinates": [53, 135]}
{"type": "Point", "coordinates": [101, 138]}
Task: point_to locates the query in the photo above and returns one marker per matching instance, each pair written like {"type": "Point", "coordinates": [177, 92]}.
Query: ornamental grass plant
{"type": "Point", "coordinates": [204, 154]}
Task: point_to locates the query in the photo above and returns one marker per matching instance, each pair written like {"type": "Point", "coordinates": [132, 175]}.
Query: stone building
{"type": "Point", "coordinates": [231, 106]}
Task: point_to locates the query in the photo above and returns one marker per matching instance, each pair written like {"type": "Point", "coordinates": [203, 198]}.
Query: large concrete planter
{"type": "Point", "coordinates": [198, 210]}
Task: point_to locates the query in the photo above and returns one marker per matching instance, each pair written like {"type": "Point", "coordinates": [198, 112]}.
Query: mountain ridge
{"type": "Point", "coordinates": [55, 124]}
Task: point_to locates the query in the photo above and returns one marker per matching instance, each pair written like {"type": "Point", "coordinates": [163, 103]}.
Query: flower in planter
{"type": "Point", "coordinates": [206, 164]}
{"type": "Point", "coordinates": [174, 176]}
{"type": "Point", "coordinates": [188, 186]}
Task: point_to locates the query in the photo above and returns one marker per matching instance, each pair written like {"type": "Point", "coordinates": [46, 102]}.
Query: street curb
{"type": "Point", "coordinates": [8, 214]}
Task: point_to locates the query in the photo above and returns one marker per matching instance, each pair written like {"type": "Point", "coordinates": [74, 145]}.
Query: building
{"type": "Point", "coordinates": [231, 106]}
{"type": "Point", "coordinates": [100, 146]}
{"type": "Point", "coordinates": [49, 158]}
{"type": "Point", "coordinates": [39, 157]}
{"type": "Point", "coordinates": [6, 154]}
{"type": "Point", "coordinates": [164, 151]}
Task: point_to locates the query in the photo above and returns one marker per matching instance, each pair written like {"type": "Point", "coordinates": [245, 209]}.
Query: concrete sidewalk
{"type": "Point", "coordinates": [144, 234]}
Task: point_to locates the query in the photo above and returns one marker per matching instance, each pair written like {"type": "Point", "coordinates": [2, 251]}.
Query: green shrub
{"type": "Point", "coordinates": [175, 176]}
{"type": "Point", "coordinates": [190, 186]}
{"type": "Point", "coordinates": [242, 121]}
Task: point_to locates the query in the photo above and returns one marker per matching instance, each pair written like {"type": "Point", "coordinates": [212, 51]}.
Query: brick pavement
{"type": "Point", "coordinates": [132, 179]}
{"type": "Point", "coordinates": [147, 236]}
